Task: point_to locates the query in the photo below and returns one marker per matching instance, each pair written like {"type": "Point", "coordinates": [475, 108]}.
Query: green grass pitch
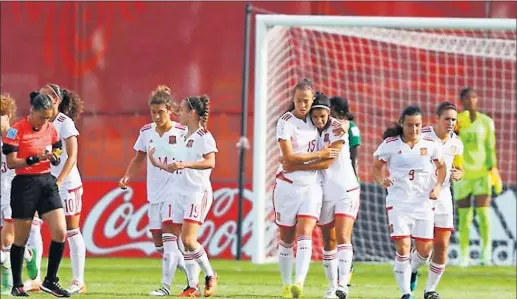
{"type": "Point", "coordinates": [134, 278]}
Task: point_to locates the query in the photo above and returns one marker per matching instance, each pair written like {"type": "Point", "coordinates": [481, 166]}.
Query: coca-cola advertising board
{"type": "Point", "coordinates": [114, 221]}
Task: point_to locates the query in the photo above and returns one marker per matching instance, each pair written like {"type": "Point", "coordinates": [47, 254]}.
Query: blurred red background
{"type": "Point", "coordinates": [115, 53]}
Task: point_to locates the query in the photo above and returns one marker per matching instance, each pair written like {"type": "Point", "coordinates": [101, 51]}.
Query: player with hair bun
{"type": "Point", "coordinates": [162, 133]}
{"type": "Point", "coordinates": [340, 196]}
{"type": "Point", "coordinates": [410, 159]}
{"type": "Point", "coordinates": [193, 192]}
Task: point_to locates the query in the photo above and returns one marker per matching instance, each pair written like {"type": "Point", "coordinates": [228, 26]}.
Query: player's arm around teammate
{"type": "Point", "coordinates": [30, 146]}
{"type": "Point", "coordinates": [193, 197]}
{"type": "Point", "coordinates": [409, 158]}
{"type": "Point", "coordinates": [67, 108]}
{"type": "Point", "coordinates": [297, 195]}
{"type": "Point", "coordinates": [340, 198]}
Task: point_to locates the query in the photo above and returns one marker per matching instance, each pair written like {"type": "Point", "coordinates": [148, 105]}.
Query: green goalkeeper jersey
{"type": "Point", "coordinates": [478, 139]}
{"type": "Point", "coordinates": [354, 135]}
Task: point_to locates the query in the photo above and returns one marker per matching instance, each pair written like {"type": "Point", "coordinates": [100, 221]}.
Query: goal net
{"type": "Point", "coordinates": [381, 65]}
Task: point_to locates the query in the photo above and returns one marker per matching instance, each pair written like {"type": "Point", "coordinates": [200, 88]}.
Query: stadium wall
{"type": "Point", "coordinates": [115, 53]}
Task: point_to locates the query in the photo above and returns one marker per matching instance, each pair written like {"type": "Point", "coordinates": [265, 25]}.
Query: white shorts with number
{"type": "Point", "coordinates": [188, 208]}
{"type": "Point", "coordinates": [404, 224]}
{"type": "Point", "coordinates": [5, 213]}
{"type": "Point", "coordinates": [443, 213]}
{"type": "Point", "coordinates": [72, 200]}
{"type": "Point", "coordinates": [291, 202]}
{"type": "Point", "coordinates": [346, 206]}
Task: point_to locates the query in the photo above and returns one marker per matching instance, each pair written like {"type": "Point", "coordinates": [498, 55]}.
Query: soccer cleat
{"type": "Point", "coordinates": [76, 288]}
{"type": "Point", "coordinates": [210, 285]}
{"type": "Point", "coordinates": [54, 288]}
{"type": "Point", "coordinates": [297, 290]}
{"type": "Point", "coordinates": [330, 293]}
{"type": "Point", "coordinates": [161, 292]}
{"type": "Point", "coordinates": [342, 292]}
{"type": "Point", "coordinates": [32, 285]}
{"type": "Point", "coordinates": [431, 295]}
{"type": "Point", "coordinates": [413, 281]}
{"type": "Point", "coordinates": [32, 269]}
{"type": "Point", "coordinates": [19, 292]}
{"type": "Point", "coordinates": [190, 292]}
{"type": "Point", "coordinates": [352, 270]}
{"type": "Point", "coordinates": [286, 291]}
{"type": "Point", "coordinates": [406, 296]}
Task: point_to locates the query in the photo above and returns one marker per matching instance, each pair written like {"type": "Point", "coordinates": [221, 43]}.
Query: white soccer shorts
{"type": "Point", "coordinates": [443, 213]}
{"type": "Point", "coordinates": [72, 200]}
{"type": "Point", "coordinates": [404, 224]}
{"type": "Point", "coordinates": [346, 206]}
{"type": "Point", "coordinates": [5, 213]}
{"type": "Point", "coordinates": [154, 213]}
{"type": "Point", "coordinates": [188, 208]}
{"type": "Point", "coordinates": [291, 202]}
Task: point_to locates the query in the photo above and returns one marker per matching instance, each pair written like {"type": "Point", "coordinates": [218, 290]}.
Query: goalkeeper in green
{"type": "Point", "coordinates": [476, 131]}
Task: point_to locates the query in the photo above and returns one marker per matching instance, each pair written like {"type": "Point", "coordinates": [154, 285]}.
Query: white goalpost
{"type": "Point", "coordinates": [381, 64]}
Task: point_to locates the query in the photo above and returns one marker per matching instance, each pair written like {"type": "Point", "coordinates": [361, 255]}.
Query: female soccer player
{"type": "Point", "coordinates": [477, 132]}
{"type": "Point", "coordinates": [340, 195]}
{"type": "Point", "coordinates": [162, 131]}
{"type": "Point", "coordinates": [7, 111]}
{"type": "Point", "coordinates": [442, 133]}
{"type": "Point", "coordinates": [193, 190]}
{"type": "Point", "coordinates": [409, 158]}
{"type": "Point", "coordinates": [30, 146]}
{"type": "Point", "coordinates": [297, 195]}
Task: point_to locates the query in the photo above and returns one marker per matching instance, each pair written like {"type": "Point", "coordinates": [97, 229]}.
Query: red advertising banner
{"type": "Point", "coordinates": [114, 222]}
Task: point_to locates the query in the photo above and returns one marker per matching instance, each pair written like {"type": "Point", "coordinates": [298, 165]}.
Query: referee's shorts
{"type": "Point", "coordinates": [34, 193]}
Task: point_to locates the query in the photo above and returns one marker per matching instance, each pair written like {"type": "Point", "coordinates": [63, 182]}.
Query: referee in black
{"type": "Point", "coordinates": [30, 146]}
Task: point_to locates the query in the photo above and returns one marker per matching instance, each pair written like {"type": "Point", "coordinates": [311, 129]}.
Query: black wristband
{"type": "Point", "coordinates": [55, 160]}
{"type": "Point", "coordinates": [32, 160]}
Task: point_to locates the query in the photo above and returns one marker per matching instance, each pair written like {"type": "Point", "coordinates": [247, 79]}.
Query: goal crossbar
{"type": "Point", "coordinates": [265, 23]}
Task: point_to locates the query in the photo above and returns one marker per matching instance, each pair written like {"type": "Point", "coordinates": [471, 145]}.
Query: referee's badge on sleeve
{"type": "Point", "coordinates": [11, 133]}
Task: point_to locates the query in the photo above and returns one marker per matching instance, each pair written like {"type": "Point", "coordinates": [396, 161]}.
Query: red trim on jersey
{"type": "Point", "coordinates": [426, 129]}
{"type": "Point", "coordinates": [155, 230]}
{"type": "Point", "coordinates": [389, 208]}
{"type": "Point", "coordinates": [400, 237]}
{"type": "Point", "coordinates": [428, 138]}
{"type": "Point", "coordinates": [281, 177]}
{"type": "Point", "coordinates": [178, 126]}
{"type": "Point", "coordinates": [450, 229]}
{"type": "Point", "coordinates": [353, 189]}
{"type": "Point", "coordinates": [146, 127]}
{"type": "Point", "coordinates": [306, 216]}
{"type": "Point", "coordinates": [344, 215]}
{"type": "Point", "coordinates": [61, 118]}
{"type": "Point", "coordinates": [192, 221]}
{"type": "Point", "coordinates": [286, 116]}
{"type": "Point", "coordinates": [202, 132]}
{"type": "Point", "coordinates": [326, 225]}
{"type": "Point", "coordinates": [391, 139]}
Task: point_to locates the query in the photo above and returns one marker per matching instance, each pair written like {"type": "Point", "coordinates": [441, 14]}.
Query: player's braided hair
{"type": "Point", "coordinates": [161, 95]}
{"type": "Point", "coordinates": [200, 104]}
{"type": "Point", "coordinates": [7, 105]}
{"type": "Point", "coordinates": [396, 128]}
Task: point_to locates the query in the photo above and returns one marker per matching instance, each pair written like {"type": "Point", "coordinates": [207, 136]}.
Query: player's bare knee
{"type": "Point", "coordinates": [58, 234]}
{"type": "Point", "coordinates": [305, 226]}
{"type": "Point", "coordinates": [424, 248]}
{"type": "Point", "coordinates": [72, 222]}
{"type": "Point", "coordinates": [403, 246]}
{"type": "Point", "coordinates": [7, 234]}
{"type": "Point", "coordinates": [287, 234]}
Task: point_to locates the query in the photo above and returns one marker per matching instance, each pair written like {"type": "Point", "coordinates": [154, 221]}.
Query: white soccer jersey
{"type": "Point", "coordinates": [451, 148]}
{"type": "Point", "coordinates": [193, 149]}
{"type": "Point", "coordinates": [411, 170]}
{"type": "Point", "coordinates": [7, 176]}
{"type": "Point", "coordinates": [303, 136]}
{"type": "Point", "coordinates": [159, 182]}
{"type": "Point", "coordinates": [65, 127]}
{"type": "Point", "coordinates": [340, 176]}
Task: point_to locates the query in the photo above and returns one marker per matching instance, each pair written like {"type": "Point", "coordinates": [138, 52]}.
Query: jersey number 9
{"type": "Point", "coordinates": [411, 174]}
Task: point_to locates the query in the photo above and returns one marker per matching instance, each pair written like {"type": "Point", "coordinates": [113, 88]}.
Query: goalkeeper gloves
{"type": "Point", "coordinates": [496, 180]}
